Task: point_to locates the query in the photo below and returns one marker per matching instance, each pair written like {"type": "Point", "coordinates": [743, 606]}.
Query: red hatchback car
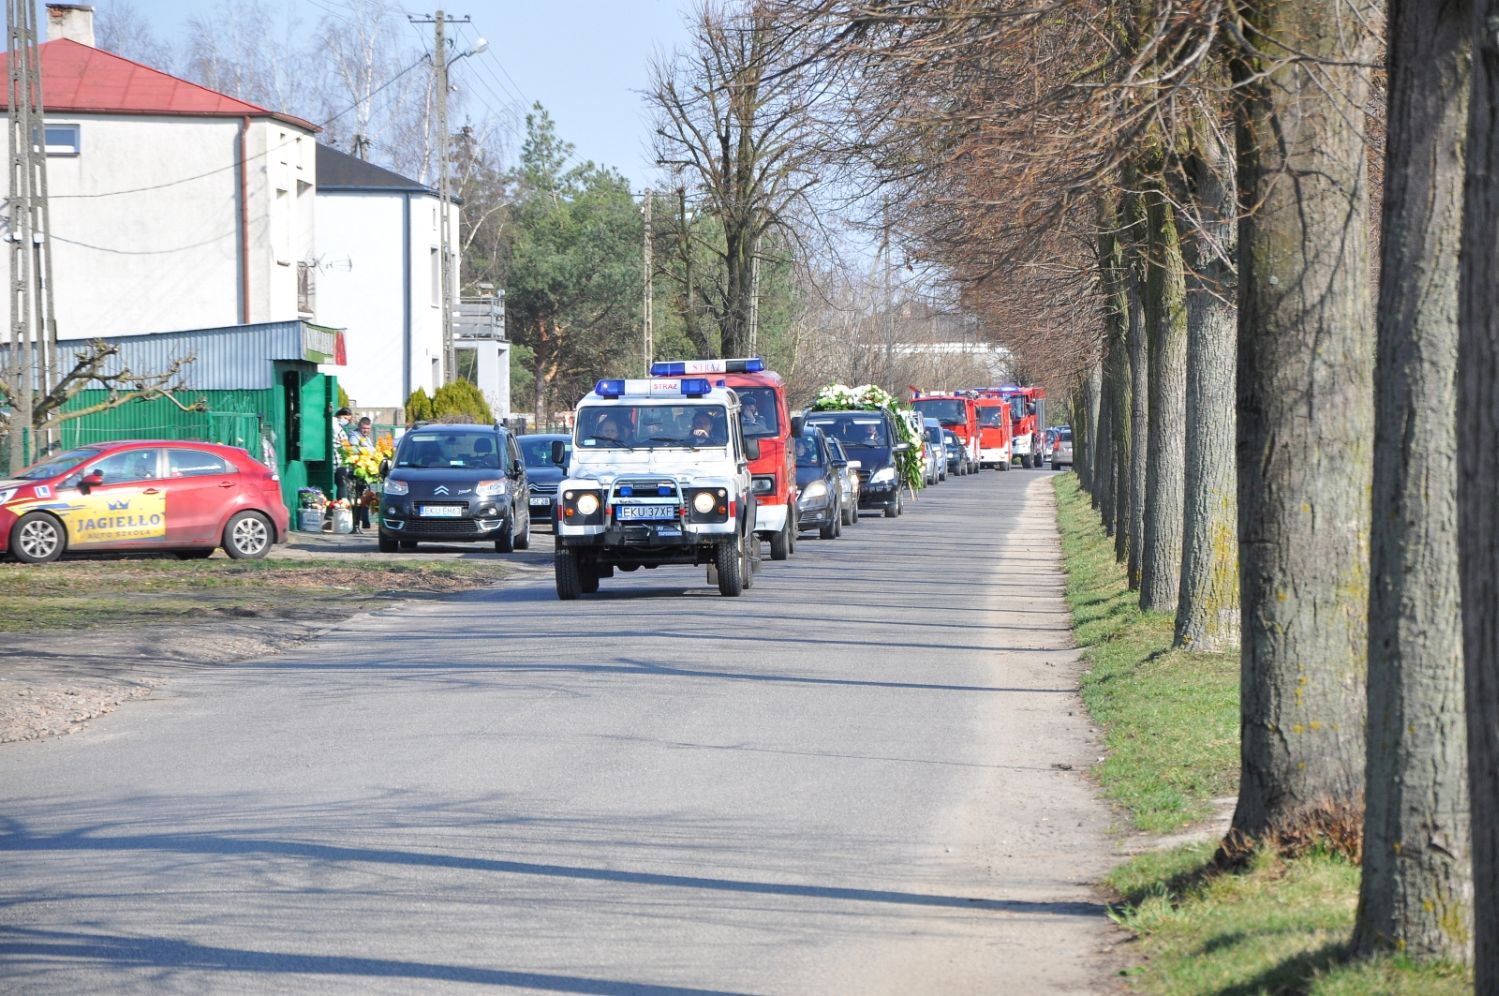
{"type": "Point", "coordinates": [142, 495]}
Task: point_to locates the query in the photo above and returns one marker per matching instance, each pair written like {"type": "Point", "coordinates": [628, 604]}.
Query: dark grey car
{"type": "Point", "coordinates": [456, 484]}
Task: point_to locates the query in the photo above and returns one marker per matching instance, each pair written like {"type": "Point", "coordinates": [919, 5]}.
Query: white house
{"type": "Point", "coordinates": [173, 206]}
{"type": "Point", "coordinates": [378, 277]}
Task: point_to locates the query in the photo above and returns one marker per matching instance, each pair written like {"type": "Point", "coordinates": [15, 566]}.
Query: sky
{"type": "Point", "coordinates": [584, 60]}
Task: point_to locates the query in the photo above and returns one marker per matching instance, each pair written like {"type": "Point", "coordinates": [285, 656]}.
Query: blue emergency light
{"type": "Point", "coordinates": [681, 368]}
{"type": "Point", "coordinates": [609, 388]}
{"type": "Point", "coordinates": [695, 387]}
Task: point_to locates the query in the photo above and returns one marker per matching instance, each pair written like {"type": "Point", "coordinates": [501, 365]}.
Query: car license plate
{"type": "Point", "coordinates": [442, 511]}
{"type": "Point", "coordinates": [648, 512]}
{"type": "Point", "coordinates": [541, 501]}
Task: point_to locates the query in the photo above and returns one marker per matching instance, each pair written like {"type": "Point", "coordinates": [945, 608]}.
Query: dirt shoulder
{"type": "Point", "coordinates": [78, 638]}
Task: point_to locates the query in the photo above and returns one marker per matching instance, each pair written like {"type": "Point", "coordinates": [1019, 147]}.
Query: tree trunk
{"type": "Point", "coordinates": [1416, 890]}
{"type": "Point", "coordinates": [1099, 455]}
{"type": "Point", "coordinates": [1305, 415]}
{"type": "Point", "coordinates": [1094, 397]}
{"type": "Point", "coordinates": [1113, 419]}
{"type": "Point", "coordinates": [1478, 483]}
{"type": "Point", "coordinates": [1207, 612]}
{"type": "Point", "coordinates": [1139, 426]}
{"type": "Point", "coordinates": [1166, 332]}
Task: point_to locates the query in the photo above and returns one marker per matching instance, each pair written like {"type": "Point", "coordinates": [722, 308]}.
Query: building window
{"type": "Point", "coordinates": [467, 362]}
{"type": "Point", "coordinates": [436, 280]}
{"type": "Point", "coordinates": [62, 139]}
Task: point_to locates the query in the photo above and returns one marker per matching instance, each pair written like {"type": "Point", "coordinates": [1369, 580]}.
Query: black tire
{"type": "Point", "coordinates": [588, 578]}
{"type": "Point", "coordinates": [780, 543]}
{"type": "Point", "coordinates": [843, 515]}
{"type": "Point", "coordinates": [38, 538]}
{"type": "Point", "coordinates": [569, 579]}
{"type": "Point", "coordinates": [729, 559]}
{"type": "Point", "coordinates": [1004, 464]}
{"type": "Point", "coordinates": [248, 536]}
{"type": "Point", "coordinates": [408, 544]}
{"type": "Point", "coordinates": [505, 542]}
{"type": "Point", "coordinates": [751, 551]}
{"type": "Point", "coordinates": [194, 554]}
{"type": "Point", "coordinates": [891, 511]}
{"type": "Point", "coordinates": [853, 513]}
{"type": "Point", "coordinates": [1025, 461]}
{"type": "Point", "coordinates": [388, 545]}
{"type": "Point", "coordinates": [829, 531]}
{"type": "Point", "coordinates": [523, 541]}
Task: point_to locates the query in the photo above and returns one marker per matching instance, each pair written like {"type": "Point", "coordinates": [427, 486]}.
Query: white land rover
{"type": "Point", "coordinates": [659, 475]}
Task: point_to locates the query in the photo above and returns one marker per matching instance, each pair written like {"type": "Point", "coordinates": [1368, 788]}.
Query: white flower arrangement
{"type": "Point", "coordinates": [871, 397]}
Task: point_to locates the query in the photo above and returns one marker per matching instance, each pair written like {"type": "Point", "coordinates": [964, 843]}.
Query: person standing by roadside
{"type": "Point", "coordinates": [362, 440]}
{"type": "Point", "coordinates": [343, 475]}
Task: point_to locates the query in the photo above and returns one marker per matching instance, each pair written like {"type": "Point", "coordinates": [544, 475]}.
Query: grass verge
{"type": "Point", "coordinates": [140, 591]}
{"type": "Point", "coordinates": [1170, 720]}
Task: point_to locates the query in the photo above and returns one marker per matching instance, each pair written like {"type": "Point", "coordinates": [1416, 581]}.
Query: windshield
{"type": "Point", "coordinates": [759, 416]}
{"type": "Point", "coordinates": [636, 427]}
{"type": "Point", "coordinates": [864, 433]}
{"type": "Point", "coordinates": [429, 449]}
{"type": "Point", "coordinates": [992, 416]}
{"type": "Point", "coordinates": [55, 465]}
{"type": "Point", "coordinates": [537, 450]}
{"type": "Point", "coordinates": [948, 411]}
{"type": "Point", "coordinates": [935, 435]}
{"type": "Point", "coordinates": [1064, 435]}
{"type": "Point", "coordinates": [807, 452]}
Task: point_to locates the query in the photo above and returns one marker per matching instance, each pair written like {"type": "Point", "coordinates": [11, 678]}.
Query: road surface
{"type": "Point", "coordinates": [866, 775]}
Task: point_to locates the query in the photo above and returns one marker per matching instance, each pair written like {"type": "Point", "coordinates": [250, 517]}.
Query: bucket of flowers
{"type": "Point", "coordinates": [311, 510]}
{"type": "Point", "coordinates": [340, 516]}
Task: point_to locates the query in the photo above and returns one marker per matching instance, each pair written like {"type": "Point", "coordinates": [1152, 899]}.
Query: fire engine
{"type": "Point", "coordinates": [766, 417]}
{"type": "Point", "coordinates": [1027, 422]}
{"type": "Point", "coordinates": [995, 445]}
{"type": "Point", "coordinates": [955, 412]}
{"type": "Point", "coordinates": [659, 475]}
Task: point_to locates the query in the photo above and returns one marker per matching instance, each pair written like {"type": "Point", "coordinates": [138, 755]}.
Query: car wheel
{"type": "Point", "coordinates": [747, 569]}
{"type": "Point", "coordinates": [853, 513]}
{"type": "Point", "coordinates": [388, 545]}
{"type": "Point", "coordinates": [780, 543]}
{"type": "Point", "coordinates": [523, 541]}
{"type": "Point", "coordinates": [891, 511]}
{"type": "Point", "coordinates": [588, 577]}
{"type": "Point", "coordinates": [247, 536]}
{"type": "Point", "coordinates": [505, 542]}
{"type": "Point", "coordinates": [38, 538]}
{"type": "Point", "coordinates": [829, 531]}
{"type": "Point", "coordinates": [729, 559]}
{"type": "Point", "coordinates": [569, 579]}
{"type": "Point", "coordinates": [194, 554]}
{"type": "Point", "coordinates": [843, 515]}
{"type": "Point", "coordinates": [408, 544]}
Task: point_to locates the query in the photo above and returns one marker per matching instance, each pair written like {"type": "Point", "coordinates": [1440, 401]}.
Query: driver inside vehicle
{"type": "Point", "coordinates": [611, 427]}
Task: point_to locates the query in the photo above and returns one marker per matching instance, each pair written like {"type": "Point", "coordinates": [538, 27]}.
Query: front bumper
{"type": "Point", "coordinates": [814, 513]}
{"type": "Point", "coordinates": [770, 519]}
{"type": "Point", "coordinates": [543, 507]}
{"type": "Point", "coordinates": [882, 495]}
{"type": "Point", "coordinates": [477, 524]}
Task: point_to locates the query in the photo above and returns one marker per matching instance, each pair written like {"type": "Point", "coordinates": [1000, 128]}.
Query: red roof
{"type": "Point", "coordinates": [80, 79]}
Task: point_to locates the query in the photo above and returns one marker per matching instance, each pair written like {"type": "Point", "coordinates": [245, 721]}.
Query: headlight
{"type": "Point", "coordinates": [588, 503]}
{"type": "Point", "coordinates": [882, 475]}
{"type": "Point", "coordinates": [396, 487]}
{"type": "Point", "coordinates": [490, 489]}
{"type": "Point", "coordinates": [817, 489]}
{"type": "Point", "coordinates": [702, 502]}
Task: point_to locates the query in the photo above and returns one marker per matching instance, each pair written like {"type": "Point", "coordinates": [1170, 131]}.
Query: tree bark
{"type": "Point", "coordinates": [1207, 613]}
{"type": "Point", "coordinates": [1416, 890]}
{"type": "Point", "coordinates": [1113, 413]}
{"type": "Point", "coordinates": [1166, 332]}
{"type": "Point", "coordinates": [1478, 483]}
{"type": "Point", "coordinates": [1139, 425]}
{"type": "Point", "coordinates": [1305, 415]}
{"type": "Point", "coordinates": [1092, 388]}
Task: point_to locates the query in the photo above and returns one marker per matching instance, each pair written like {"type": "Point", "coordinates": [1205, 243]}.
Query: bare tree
{"type": "Point", "coordinates": [1478, 482]}
{"type": "Point", "coordinates": [120, 28]}
{"type": "Point", "coordinates": [1416, 889]}
{"type": "Point", "coordinates": [1305, 361]}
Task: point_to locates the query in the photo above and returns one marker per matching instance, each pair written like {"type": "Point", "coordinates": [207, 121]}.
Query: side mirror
{"type": "Point", "coordinates": [517, 469]}
{"type": "Point", "coordinates": [796, 424]}
{"type": "Point", "coordinates": [93, 480]}
{"type": "Point", "coordinates": [384, 468]}
{"type": "Point", "coordinates": [855, 464]}
{"type": "Point", "coordinates": [559, 452]}
{"type": "Point", "coordinates": [752, 449]}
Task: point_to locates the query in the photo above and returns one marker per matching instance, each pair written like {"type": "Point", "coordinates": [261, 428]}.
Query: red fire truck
{"type": "Point", "coordinates": [765, 417]}
{"type": "Point", "coordinates": [1027, 422]}
{"type": "Point", "coordinates": [995, 446]}
{"type": "Point", "coordinates": [955, 412]}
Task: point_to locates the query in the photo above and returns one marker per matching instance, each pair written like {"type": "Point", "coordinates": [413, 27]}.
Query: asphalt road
{"type": "Point", "coordinates": [865, 775]}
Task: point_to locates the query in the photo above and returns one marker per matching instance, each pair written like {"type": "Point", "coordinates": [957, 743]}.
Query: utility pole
{"type": "Point", "coordinates": [439, 21]}
{"type": "Point", "coordinates": [648, 336]}
{"type": "Point", "coordinates": [33, 330]}
{"type": "Point", "coordinates": [754, 315]}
